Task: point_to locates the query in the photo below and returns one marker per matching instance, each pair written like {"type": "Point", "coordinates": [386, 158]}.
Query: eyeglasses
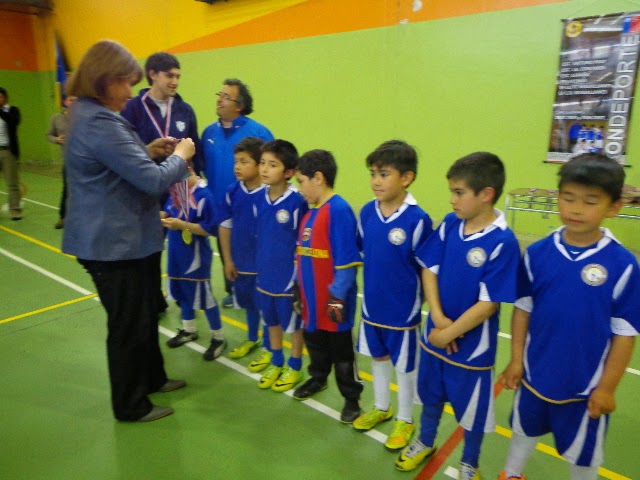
{"type": "Point", "coordinates": [226, 96]}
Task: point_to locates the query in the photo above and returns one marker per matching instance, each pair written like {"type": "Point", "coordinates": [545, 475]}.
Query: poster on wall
{"type": "Point", "coordinates": [595, 86]}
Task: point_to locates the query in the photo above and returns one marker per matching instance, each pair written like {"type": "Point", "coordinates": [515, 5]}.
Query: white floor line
{"type": "Point", "coordinates": [451, 472]}
{"type": "Point", "coordinates": [25, 199]}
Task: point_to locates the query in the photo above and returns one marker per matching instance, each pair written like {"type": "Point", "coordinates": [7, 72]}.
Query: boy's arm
{"type": "Point", "coordinates": [230, 270]}
{"type": "Point", "coordinates": [470, 319]}
{"type": "Point", "coordinates": [432, 294]}
{"type": "Point", "coordinates": [176, 224]}
{"type": "Point", "coordinates": [602, 400]}
{"type": "Point", "coordinates": [511, 376]}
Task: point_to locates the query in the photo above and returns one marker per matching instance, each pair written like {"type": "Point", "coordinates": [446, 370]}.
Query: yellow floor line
{"type": "Point", "coordinates": [505, 432]}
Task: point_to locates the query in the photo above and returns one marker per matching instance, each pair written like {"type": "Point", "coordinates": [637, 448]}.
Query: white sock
{"type": "Point", "coordinates": [406, 387]}
{"type": "Point", "coordinates": [217, 334]}
{"type": "Point", "coordinates": [381, 381]}
{"type": "Point", "coordinates": [520, 449]}
{"type": "Point", "coordinates": [583, 473]}
{"type": "Point", "coordinates": [189, 326]}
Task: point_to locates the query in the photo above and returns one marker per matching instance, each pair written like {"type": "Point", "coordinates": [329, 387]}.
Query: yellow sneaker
{"type": "Point", "coordinates": [467, 472]}
{"type": "Point", "coordinates": [413, 455]}
{"type": "Point", "coordinates": [368, 420]}
{"type": "Point", "coordinates": [244, 349]}
{"type": "Point", "coordinates": [287, 380]}
{"type": "Point", "coordinates": [260, 363]}
{"type": "Point", "coordinates": [400, 435]}
{"type": "Point", "coordinates": [269, 376]}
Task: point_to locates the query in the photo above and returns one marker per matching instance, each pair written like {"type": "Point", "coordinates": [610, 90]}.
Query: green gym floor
{"type": "Point", "coordinates": [56, 421]}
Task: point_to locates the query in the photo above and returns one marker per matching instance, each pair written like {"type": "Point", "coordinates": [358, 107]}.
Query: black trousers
{"type": "Point", "coordinates": [128, 292]}
{"type": "Point", "coordinates": [63, 198]}
{"type": "Point", "coordinates": [327, 349]}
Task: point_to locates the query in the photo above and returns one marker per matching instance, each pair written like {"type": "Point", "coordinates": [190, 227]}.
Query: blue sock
{"type": "Point", "coordinates": [471, 451]}
{"type": "Point", "coordinates": [253, 323]}
{"type": "Point", "coordinates": [266, 342]}
{"type": "Point", "coordinates": [295, 363]}
{"type": "Point", "coordinates": [278, 358]}
{"type": "Point", "coordinates": [213, 315]}
{"type": "Point", "coordinates": [429, 422]}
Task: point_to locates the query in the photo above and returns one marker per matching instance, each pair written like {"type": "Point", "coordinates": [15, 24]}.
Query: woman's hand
{"type": "Point", "coordinates": [185, 149]}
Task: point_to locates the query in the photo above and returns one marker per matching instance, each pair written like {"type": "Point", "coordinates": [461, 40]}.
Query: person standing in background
{"type": "Point", "coordinates": [57, 134]}
{"type": "Point", "coordinates": [10, 152]}
{"type": "Point", "coordinates": [220, 138]}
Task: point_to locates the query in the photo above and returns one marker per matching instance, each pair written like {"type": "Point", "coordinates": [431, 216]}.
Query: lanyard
{"type": "Point", "coordinates": [162, 133]}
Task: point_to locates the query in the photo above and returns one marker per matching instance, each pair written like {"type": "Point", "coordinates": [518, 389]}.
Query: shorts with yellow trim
{"type": "Point", "coordinates": [470, 392]}
{"type": "Point", "coordinates": [278, 310]}
{"type": "Point", "coordinates": [579, 438]}
{"type": "Point", "coordinates": [400, 345]}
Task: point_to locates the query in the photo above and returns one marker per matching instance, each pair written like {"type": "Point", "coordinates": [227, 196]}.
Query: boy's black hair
{"type": "Point", "coordinates": [245, 100]}
{"type": "Point", "coordinates": [284, 151]}
{"type": "Point", "coordinates": [394, 153]}
{"type": "Point", "coordinates": [594, 170]}
{"type": "Point", "coordinates": [319, 161]}
{"type": "Point", "coordinates": [3, 91]}
{"type": "Point", "coordinates": [160, 62]}
{"type": "Point", "coordinates": [480, 170]}
{"type": "Point", "coordinates": [250, 145]}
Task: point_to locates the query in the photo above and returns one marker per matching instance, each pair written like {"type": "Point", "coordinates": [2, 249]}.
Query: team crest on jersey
{"type": "Point", "coordinates": [594, 274]}
{"type": "Point", "coordinates": [306, 234]}
{"type": "Point", "coordinates": [181, 125]}
{"type": "Point", "coordinates": [282, 216]}
{"type": "Point", "coordinates": [397, 236]}
{"type": "Point", "coordinates": [476, 257]}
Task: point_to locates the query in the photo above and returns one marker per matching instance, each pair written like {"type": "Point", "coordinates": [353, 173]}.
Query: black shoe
{"type": "Point", "coordinates": [309, 388]}
{"type": "Point", "coordinates": [350, 411]}
{"type": "Point", "coordinates": [181, 338]}
{"type": "Point", "coordinates": [215, 349]}
{"type": "Point", "coordinates": [227, 302]}
{"type": "Point", "coordinates": [59, 224]}
{"type": "Point", "coordinates": [171, 385]}
{"type": "Point", "coordinates": [156, 413]}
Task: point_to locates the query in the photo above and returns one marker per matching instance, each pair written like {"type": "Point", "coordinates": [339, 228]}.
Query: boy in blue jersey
{"type": "Point", "coordinates": [278, 212]}
{"type": "Point", "coordinates": [470, 267]}
{"type": "Point", "coordinates": [390, 229]}
{"type": "Point", "coordinates": [574, 325]}
{"type": "Point", "coordinates": [328, 259]}
{"type": "Point", "coordinates": [190, 221]}
{"type": "Point", "coordinates": [237, 234]}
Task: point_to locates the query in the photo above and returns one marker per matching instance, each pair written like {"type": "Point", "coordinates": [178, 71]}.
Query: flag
{"type": "Point", "coordinates": [61, 74]}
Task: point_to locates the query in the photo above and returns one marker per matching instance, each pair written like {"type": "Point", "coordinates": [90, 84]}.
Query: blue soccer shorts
{"type": "Point", "coordinates": [244, 292]}
{"type": "Point", "coordinates": [278, 310]}
{"type": "Point", "coordinates": [470, 392]}
{"type": "Point", "coordinates": [192, 296]}
{"type": "Point", "coordinates": [400, 345]}
{"type": "Point", "coordinates": [579, 438]}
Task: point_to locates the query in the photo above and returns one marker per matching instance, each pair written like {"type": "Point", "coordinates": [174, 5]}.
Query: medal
{"type": "Point", "coordinates": [186, 237]}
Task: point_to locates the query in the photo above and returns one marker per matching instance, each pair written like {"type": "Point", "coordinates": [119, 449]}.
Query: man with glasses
{"type": "Point", "coordinates": [219, 139]}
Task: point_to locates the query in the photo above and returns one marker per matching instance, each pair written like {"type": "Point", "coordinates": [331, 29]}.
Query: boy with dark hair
{"type": "Point", "coordinates": [574, 324]}
{"type": "Point", "coordinates": [469, 268]}
{"type": "Point", "coordinates": [237, 235]}
{"type": "Point", "coordinates": [190, 222]}
{"type": "Point", "coordinates": [390, 229]}
{"type": "Point", "coordinates": [278, 214]}
{"type": "Point", "coordinates": [328, 258]}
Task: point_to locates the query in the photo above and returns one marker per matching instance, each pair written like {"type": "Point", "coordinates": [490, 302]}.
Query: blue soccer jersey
{"type": "Point", "coordinates": [576, 306]}
{"type": "Point", "coordinates": [478, 267]}
{"type": "Point", "coordinates": [392, 287]}
{"type": "Point", "coordinates": [237, 213]}
{"type": "Point", "coordinates": [327, 245]}
{"type": "Point", "coordinates": [277, 233]}
{"type": "Point", "coordinates": [191, 261]}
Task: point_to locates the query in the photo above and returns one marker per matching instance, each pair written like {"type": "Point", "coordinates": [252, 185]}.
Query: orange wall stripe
{"type": "Point", "coordinates": [322, 17]}
{"type": "Point", "coordinates": [18, 50]}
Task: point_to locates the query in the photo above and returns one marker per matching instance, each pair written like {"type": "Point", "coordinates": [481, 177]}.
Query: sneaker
{"type": "Point", "coordinates": [59, 224]}
{"type": "Point", "coordinates": [181, 338]}
{"type": "Point", "coordinates": [413, 455]}
{"type": "Point", "coordinates": [368, 420]}
{"type": "Point", "coordinates": [400, 435]}
{"type": "Point", "coordinates": [227, 302]}
{"type": "Point", "coordinates": [467, 472]}
{"type": "Point", "coordinates": [216, 347]}
{"type": "Point", "coordinates": [350, 411]}
{"type": "Point", "coordinates": [269, 376]}
{"type": "Point", "coordinates": [309, 388]}
{"type": "Point", "coordinates": [503, 476]}
{"type": "Point", "coordinates": [245, 349]}
{"type": "Point", "coordinates": [288, 379]}
{"type": "Point", "coordinates": [261, 362]}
